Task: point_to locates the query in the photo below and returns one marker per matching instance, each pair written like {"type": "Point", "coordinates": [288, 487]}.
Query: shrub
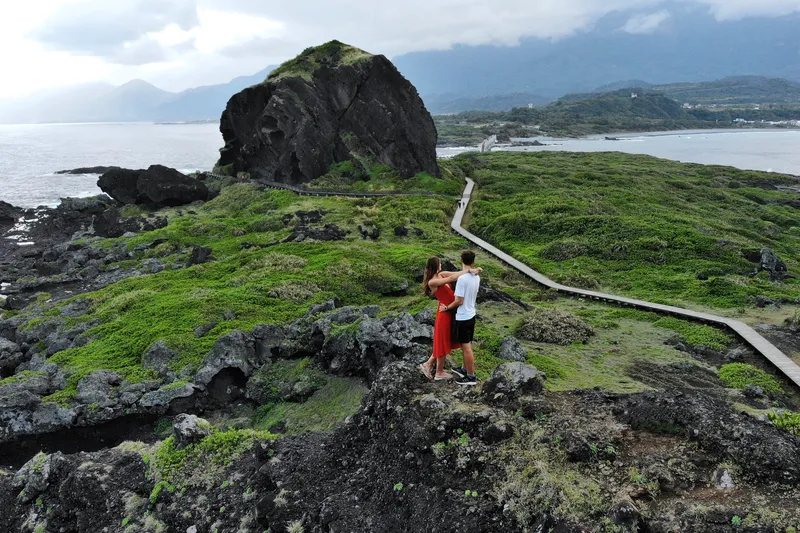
{"type": "Point", "coordinates": [786, 420]}
{"type": "Point", "coordinates": [281, 262]}
{"type": "Point", "coordinates": [563, 251]}
{"type": "Point", "coordinates": [201, 463]}
{"type": "Point", "coordinates": [553, 326]}
{"type": "Point", "coordinates": [740, 375]}
{"type": "Point", "coordinates": [295, 291]}
{"type": "Point", "coordinates": [265, 225]}
{"type": "Point", "coordinates": [696, 334]}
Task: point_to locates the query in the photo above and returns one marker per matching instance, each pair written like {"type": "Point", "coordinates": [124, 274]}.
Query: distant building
{"type": "Point", "coordinates": [530, 106]}
{"type": "Point", "coordinates": [634, 95]}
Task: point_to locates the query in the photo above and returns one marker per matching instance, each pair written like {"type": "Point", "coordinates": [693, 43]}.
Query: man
{"type": "Point", "coordinates": [464, 330]}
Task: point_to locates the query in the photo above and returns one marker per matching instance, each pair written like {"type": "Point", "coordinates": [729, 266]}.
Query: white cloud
{"type": "Point", "coordinates": [738, 9]}
{"type": "Point", "coordinates": [106, 29]}
{"type": "Point", "coordinates": [643, 24]}
{"type": "Point", "coordinates": [181, 43]}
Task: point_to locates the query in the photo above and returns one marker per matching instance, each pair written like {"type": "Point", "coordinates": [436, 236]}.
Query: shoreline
{"type": "Point", "coordinates": [659, 133]}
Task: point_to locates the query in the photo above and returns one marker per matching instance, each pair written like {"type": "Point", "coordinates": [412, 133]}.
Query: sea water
{"type": "Point", "coordinates": [31, 154]}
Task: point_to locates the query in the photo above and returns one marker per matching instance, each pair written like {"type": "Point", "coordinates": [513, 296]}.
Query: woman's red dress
{"type": "Point", "coordinates": [442, 345]}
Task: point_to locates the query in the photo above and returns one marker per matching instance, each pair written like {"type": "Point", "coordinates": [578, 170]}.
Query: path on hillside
{"type": "Point", "coordinates": [745, 332]}
{"type": "Point", "coordinates": [761, 345]}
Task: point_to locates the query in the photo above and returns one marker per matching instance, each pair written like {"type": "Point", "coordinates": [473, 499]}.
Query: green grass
{"type": "Point", "coordinates": [243, 288]}
{"type": "Point", "coordinates": [380, 178]}
{"type": "Point", "coordinates": [740, 375]}
{"type": "Point", "coordinates": [332, 53]}
{"type": "Point", "coordinates": [658, 230]}
{"type": "Point", "coordinates": [20, 377]}
{"type": "Point", "coordinates": [327, 407]}
{"type": "Point", "coordinates": [202, 462]}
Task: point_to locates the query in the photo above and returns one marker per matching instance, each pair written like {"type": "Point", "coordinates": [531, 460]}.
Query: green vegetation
{"type": "Point", "coordinates": [203, 463]}
{"type": "Point", "coordinates": [740, 375]}
{"type": "Point", "coordinates": [734, 90]}
{"type": "Point", "coordinates": [659, 230]}
{"type": "Point", "coordinates": [21, 377]}
{"type": "Point", "coordinates": [616, 111]}
{"type": "Point", "coordinates": [330, 54]}
{"type": "Point", "coordinates": [379, 178]}
{"type": "Point", "coordinates": [696, 334]}
{"type": "Point", "coordinates": [328, 406]}
{"type": "Point", "coordinates": [540, 480]}
{"type": "Point", "coordinates": [247, 286]}
{"type": "Point", "coordinates": [554, 326]}
{"type": "Point", "coordinates": [786, 420]}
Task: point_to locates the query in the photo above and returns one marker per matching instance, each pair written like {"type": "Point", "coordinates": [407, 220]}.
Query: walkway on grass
{"type": "Point", "coordinates": [745, 332]}
{"type": "Point", "coordinates": [761, 345]}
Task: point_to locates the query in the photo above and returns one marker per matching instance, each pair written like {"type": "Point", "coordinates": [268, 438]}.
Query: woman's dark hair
{"type": "Point", "coordinates": [431, 269]}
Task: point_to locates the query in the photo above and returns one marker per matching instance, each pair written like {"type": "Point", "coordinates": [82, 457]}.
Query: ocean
{"type": "Point", "coordinates": [31, 154]}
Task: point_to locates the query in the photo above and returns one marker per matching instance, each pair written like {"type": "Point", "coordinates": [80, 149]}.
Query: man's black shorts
{"type": "Point", "coordinates": [463, 330]}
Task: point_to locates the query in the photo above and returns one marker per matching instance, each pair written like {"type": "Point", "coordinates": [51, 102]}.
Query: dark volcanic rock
{"type": "Point", "coordinates": [121, 184]}
{"type": "Point", "coordinates": [88, 170]}
{"type": "Point", "coordinates": [159, 186]}
{"type": "Point", "coordinates": [763, 450]}
{"type": "Point", "coordinates": [512, 350]}
{"type": "Point", "coordinates": [165, 186]}
{"type": "Point", "coordinates": [332, 104]}
{"type": "Point", "coordinates": [200, 255]}
{"type": "Point", "coordinates": [9, 215]}
{"type": "Point", "coordinates": [769, 262]}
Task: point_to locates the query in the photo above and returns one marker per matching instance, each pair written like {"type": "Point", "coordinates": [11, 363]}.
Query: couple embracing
{"type": "Point", "coordinates": [455, 317]}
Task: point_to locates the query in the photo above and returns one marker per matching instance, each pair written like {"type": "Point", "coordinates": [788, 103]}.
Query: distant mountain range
{"type": "Point", "coordinates": [690, 46]}
{"type": "Point", "coordinates": [135, 101]}
{"type": "Point", "coordinates": [727, 91]}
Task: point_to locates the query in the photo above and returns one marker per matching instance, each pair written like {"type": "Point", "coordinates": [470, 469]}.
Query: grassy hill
{"type": "Point", "coordinates": [586, 114]}
{"type": "Point", "coordinates": [639, 226]}
{"type": "Point", "coordinates": [734, 90]}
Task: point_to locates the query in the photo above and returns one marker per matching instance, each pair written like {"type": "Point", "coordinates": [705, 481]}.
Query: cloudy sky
{"type": "Point", "coordinates": [177, 44]}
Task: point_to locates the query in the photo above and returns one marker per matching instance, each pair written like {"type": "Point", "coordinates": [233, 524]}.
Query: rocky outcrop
{"type": "Point", "coordinates": [768, 261]}
{"type": "Point", "coordinates": [87, 170]}
{"type": "Point", "coordinates": [512, 350]}
{"type": "Point", "coordinates": [9, 215]}
{"type": "Point", "coordinates": [331, 104]}
{"type": "Point", "coordinates": [347, 342]}
{"type": "Point", "coordinates": [514, 379]}
{"type": "Point", "coordinates": [765, 451]}
{"type": "Point", "coordinates": [158, 186]}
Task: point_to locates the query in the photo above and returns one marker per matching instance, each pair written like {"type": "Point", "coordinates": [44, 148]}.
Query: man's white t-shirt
{"type": "Point", "coordinates": [467, 288]}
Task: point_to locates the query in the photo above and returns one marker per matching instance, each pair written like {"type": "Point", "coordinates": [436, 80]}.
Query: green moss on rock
{"type": "Point", "coordinates": [330, 54]}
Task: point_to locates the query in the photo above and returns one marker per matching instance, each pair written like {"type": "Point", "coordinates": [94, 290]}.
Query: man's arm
{"type": "Point", "coordinates": [453, 306]}
{"type": "Point", "coordinates": [460, 293]}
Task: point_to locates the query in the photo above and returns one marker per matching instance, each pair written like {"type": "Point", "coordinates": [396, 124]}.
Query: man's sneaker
{"type": "Point", "coordinates": [460, 371]}
{"type": "Point", "coordinates": [467, 380]}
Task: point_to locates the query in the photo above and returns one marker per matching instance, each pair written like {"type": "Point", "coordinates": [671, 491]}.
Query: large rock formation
{"type": "Point", "coordinates": [159, 186]}
{"type": "Point", "coordinates": [331, 104]}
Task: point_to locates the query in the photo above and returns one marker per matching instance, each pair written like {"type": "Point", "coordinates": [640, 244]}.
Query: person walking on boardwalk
{"type": "Point", "coordinates": [437, 283]}
{"type": "Point", "coordinates": [464, 305]}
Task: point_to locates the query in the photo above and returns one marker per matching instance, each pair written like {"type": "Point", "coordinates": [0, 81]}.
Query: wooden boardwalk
{"type": "Point", "coordinates": [745, 332]}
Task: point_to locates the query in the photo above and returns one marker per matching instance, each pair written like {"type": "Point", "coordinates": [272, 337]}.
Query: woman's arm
{"type": "Point", "coordinates": [449, 277]}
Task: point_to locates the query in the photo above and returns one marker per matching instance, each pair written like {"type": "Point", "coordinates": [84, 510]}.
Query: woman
{"type": "Point", "coordinates": [437, 283]}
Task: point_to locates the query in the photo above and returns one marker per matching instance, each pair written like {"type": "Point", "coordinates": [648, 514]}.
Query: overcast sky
{"type": "Point", "coordinates": [177, 44]}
